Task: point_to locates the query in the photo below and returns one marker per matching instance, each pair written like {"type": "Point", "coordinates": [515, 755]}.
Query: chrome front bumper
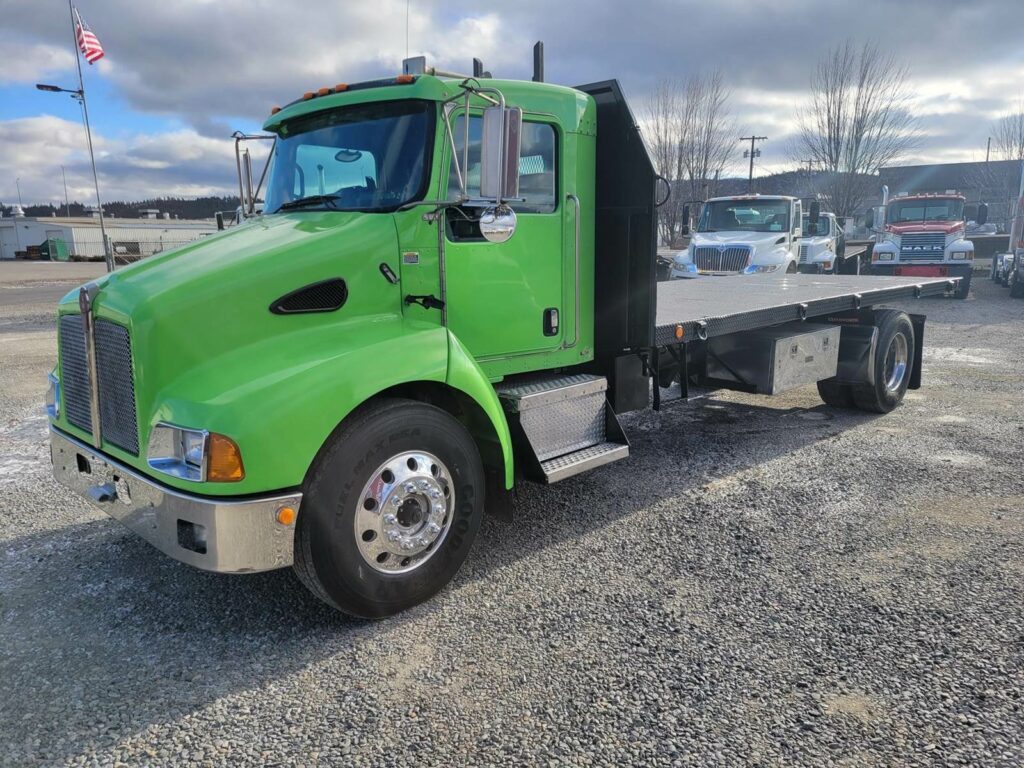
{"type": "Point", "coordinates": [223, 535]}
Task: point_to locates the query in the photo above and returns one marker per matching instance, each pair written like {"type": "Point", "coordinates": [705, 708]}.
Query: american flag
{"type": "Point", "coordinates": [88, 43]}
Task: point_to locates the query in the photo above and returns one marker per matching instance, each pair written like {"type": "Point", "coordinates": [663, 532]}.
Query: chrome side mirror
{"type": "Point", "coordinates": [498, 223]}
{"type": "Point", "coordinates": [499, 153]}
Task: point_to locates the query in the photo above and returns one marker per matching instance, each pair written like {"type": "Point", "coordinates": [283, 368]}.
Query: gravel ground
{"type": "Point", "coordinates": [763, 582]}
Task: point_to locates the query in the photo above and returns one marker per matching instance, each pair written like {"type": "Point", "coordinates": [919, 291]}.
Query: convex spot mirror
{"type": "Point", "coordinates": [499, 154]}
{"type": "Point", "coordinates": [498, 223]}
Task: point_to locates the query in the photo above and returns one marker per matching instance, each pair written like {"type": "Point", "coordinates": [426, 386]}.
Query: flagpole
{"type": "Point", "coordinates": [107, 255]}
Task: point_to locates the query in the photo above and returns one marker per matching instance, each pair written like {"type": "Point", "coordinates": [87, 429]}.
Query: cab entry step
{"type": "Point", "coordinates": [562, 424]}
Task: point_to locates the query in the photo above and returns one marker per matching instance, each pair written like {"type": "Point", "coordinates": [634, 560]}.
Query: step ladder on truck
{"type": "Point", "coordinates": [450, 290]}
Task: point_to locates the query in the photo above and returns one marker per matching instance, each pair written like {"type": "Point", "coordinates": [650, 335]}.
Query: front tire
{"type": "Point", "coordinates": [963, 288]}
{"type": "Point", "coordinates": [894, 361]}
{"type": "Point", "coordinates": [1016, 285]}
{"type": "Point", "coordinates": [792, 268]}
{"type": "Point", "coordinates": [390, 509]}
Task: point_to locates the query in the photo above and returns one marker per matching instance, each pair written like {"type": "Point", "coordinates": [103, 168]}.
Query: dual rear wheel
{"type": "Point", "coordinates": [894, 360]}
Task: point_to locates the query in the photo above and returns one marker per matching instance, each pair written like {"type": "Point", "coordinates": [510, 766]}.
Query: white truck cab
{"type": "Point", "coordinates": [823, 245]}
{"type": "Point", "coordinates": [746, 234]}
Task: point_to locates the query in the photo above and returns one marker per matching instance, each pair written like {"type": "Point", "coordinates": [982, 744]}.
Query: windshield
{"type": "Point", "coordinates": [823, 226]}
{"type": "Point", "coordinates": [746, 215]}
{"type": "Point", "coordinates": [367, 157]}
{"type": "Point", "coordinates": [931, 209]}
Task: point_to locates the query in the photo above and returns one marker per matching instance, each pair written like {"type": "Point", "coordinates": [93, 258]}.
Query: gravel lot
{"type": "Point", "coordinates": [763, 582]}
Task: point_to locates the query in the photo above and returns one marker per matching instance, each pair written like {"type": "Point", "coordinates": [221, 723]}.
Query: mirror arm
{"type": "Point", "coordinates": [448, 109]}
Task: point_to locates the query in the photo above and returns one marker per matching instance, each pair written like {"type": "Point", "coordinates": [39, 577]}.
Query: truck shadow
{"type": "Point", "coordinates": [91, 615]}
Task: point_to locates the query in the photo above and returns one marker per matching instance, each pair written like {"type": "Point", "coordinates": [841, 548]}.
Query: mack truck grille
{"type": "Point", "coordinates": [803, 254]}
{"type": "Point", "coordinates": [710, 258]}
{"type": "Point", "coordinates": [118, 424]}
{"type": "Point", "coordinates": [923, 246]}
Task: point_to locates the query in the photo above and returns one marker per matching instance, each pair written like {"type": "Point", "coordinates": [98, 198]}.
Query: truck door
{"type": "Point", "coordinates": [797, 234]}
{"type": "Point", "coordinates": [506, 298]}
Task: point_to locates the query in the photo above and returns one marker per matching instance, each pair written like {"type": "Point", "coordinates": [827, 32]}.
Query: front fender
{"type": "Point", "coordinates": [466, 376]}
{"type": "Point", "coordinates": [281, 397]}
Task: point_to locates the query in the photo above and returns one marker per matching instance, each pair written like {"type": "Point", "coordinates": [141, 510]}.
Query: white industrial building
{"type": "Point", "coordinates": [79, 237]}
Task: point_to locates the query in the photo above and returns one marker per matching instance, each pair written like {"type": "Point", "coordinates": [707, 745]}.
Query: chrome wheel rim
{"type": "Point", "coordinates": [404, 512]}
{"type": "Point", "coordinates": [896, 362]}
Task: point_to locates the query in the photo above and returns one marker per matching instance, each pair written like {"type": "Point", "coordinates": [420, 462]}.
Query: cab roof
{"type": "Point", "coordinates": [573, 109]}
{"type": "Point", "coordinates": [754, 197]}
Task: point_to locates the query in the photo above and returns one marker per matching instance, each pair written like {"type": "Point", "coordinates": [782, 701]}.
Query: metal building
{"type": "Point", "coordinates": [79, 237]}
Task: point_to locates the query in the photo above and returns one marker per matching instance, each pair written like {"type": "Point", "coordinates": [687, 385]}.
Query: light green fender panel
{"type": "Point", "coordinates": [465, 375]}
{"type": "Point", "coordinates": [281, 397]}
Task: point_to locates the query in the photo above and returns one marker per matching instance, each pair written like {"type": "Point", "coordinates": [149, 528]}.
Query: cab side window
{"type": "Point", "coordinates": [537, 180]}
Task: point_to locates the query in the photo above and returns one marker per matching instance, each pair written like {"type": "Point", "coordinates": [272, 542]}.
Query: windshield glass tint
{"type": "Point", "coordinates": [745, 215]}
{"type": "Point", "coordinates": [368, 157]}
{"type": "Point", "coordinates": [950, 209]}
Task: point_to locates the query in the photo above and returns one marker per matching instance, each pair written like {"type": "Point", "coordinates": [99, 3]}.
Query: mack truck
{"type": "Point", "coordinates": [742, 235]}
{"type": "Point", "coordinates": [924, 235]}
{"type": "Point", "coordinates": [450, 291]}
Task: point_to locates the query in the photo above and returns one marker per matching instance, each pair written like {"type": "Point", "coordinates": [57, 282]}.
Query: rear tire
{"type": "Point", "coordinates": [835, 394]}
{"type": "Point", "coordinates": [894, 361]}
{"type": "Point", "coordinates": [366, 542]}
{"type": "Point", "coordinates": [792, 268]}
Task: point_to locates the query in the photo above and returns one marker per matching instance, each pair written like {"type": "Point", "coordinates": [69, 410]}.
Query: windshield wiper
{"type": "Point", "coordinates": [302, 202]}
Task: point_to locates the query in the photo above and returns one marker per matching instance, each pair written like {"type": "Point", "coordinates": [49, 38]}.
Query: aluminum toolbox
{"type": "Point", "coordinates": [773, 360]}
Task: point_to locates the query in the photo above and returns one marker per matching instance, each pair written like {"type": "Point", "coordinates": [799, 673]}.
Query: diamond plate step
{"type": "Point", "coordinates": [560, 423]}
{"type": "Point", "coordinates": [571, 464]}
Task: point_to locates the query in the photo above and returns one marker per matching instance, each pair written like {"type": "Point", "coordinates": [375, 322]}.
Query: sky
{"type": "Point", "coordinates": [179, 76]}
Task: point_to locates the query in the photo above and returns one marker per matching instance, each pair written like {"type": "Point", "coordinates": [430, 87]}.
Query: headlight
{"type": "Point", "coordinates": [757, 269]}
{"type": "Point", "coordinates": [194, 454]}
{"type": "Point", "coordinates": [884, 256]}
{"type": "Point", "coordinates": [53, 397]}
{"type": "Point", "coordinates": [962, 255]}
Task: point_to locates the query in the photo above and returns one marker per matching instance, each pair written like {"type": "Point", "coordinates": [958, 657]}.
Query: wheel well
{"type": "Point", "coordinates": [463, 408]}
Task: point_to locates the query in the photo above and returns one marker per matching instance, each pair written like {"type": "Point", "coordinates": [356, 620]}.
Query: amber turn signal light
{"type": "Point", "coordinates": [286, 515]}
{"type": "Point", "coordinates": [224, 462]}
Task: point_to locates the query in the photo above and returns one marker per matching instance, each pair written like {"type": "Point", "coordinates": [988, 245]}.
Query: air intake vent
{"type": "Point", "coordinates": [325, 296]}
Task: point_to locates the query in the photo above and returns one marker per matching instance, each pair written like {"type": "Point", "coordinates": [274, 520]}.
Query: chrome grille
{"type": "Point", "coordinates": [74, 372]}
{"type": "Point", "coordinates": [714, 259]}
{"type": "Point", "coordinates": [803, 254]}
{"type": "Point", "coordinates": [923, 246]}
{"type": "Point", "coordinates": [118, 424]}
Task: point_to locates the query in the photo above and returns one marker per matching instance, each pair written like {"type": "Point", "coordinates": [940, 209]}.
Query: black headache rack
{"type": "Point", "coordinates": [625, 229]}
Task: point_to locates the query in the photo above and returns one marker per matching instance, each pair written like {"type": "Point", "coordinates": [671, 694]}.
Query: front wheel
{"type": "Point", "coordinates": [792, 268]}
{"type": "Point", "coordinates": [390, 509]}
{"type": "Point", "coordinates": [1016, 285]}
{"type": "Point", "coordinates": [963, 288]}
{"type": "Point", "coordinates": [894, 360]}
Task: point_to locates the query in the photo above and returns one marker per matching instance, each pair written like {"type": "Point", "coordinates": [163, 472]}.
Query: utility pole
{"type": "Point", "coordinates": [17, 183]}
{"type": "Point", "coordinates": [988, 149]}
{"type": "Point", "coordinates": [67, 203]}
{"type": "Point", "coordinates": [752, 153]}
{"type": "Point", "coordinates": [810, 164]}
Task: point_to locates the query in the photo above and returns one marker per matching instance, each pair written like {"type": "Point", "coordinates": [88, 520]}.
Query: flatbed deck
{"type": "Point", "coordinates": [715, 306]}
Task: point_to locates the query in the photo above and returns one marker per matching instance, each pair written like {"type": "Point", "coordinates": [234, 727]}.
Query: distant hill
{"type": "Point", "coordinates": [179, 208]}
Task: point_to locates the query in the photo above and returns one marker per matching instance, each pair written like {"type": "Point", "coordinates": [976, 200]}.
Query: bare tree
{"type": "Point", "coordinates": [856, 121]}
{"type": "Point", "coordinates": [1008, 134]}
{"type": "Point", "coordinates": [664, 128]}
{"type": "Point", "coordinates": [690, 133]}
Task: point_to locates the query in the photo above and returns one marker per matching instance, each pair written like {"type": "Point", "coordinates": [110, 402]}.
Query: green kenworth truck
{"type": "Point", "coordinates": [450, 289]}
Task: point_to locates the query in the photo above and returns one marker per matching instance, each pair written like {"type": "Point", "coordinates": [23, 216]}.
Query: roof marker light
{"type": "Point", "coordinates": [340, 87]}
{"type": "Point", "coordinates": [323, 91]}
{"type": "Point", "coordinates": [404, 79]}
{"type": "Point", "coordinates": [308, 95]}
{"type": "Point", "coordinates": [275, 110]}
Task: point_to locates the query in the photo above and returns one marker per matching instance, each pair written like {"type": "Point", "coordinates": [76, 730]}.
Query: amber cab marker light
{"type": "Point", "coordinates": [679, 331]}
{"type": "Point", "coordinates": [224, 463]}
{"type": "Point", "coordinates": [404, 79]}
{"type": "Point", "coordinates": [275, 110]}
{"type": "Point", "coordinates": [323, 92]}
{"type": "Point", "coordinates": [340, 87]}
{"type": "Point", "coordinates": [286, 515]}
{"type": "Point", "coordinates": [308, 95]}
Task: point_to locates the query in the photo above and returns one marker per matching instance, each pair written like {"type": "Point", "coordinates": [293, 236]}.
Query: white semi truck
{"type": "Point", "coordinates": [744, 234]}
{"type": "Point", "coordinates": [823, 245]}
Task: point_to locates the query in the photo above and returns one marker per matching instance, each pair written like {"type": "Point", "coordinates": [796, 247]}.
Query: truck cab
{"type": "Point", "coordinates": [923, 235]}
{"type": "Point", "coordinates": [743, 235]}
{"type": "Point", "coordinates": [822, 246]}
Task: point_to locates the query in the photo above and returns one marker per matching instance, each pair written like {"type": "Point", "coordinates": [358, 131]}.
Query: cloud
{"type": "Point", "coordinates": [214, 66]}
{"type": "Point", "coordinates": [180, 163]}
